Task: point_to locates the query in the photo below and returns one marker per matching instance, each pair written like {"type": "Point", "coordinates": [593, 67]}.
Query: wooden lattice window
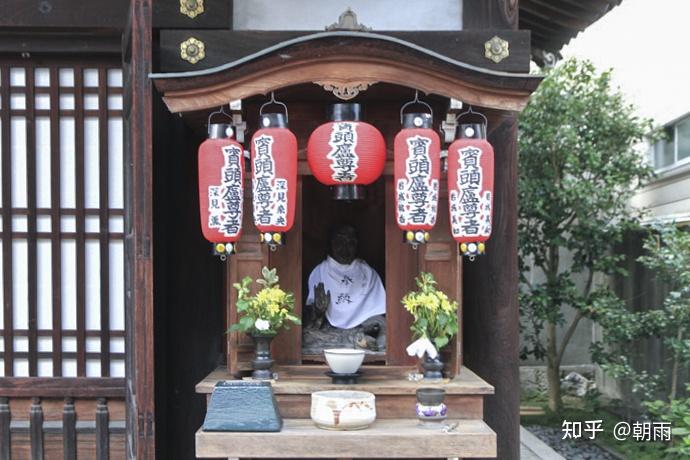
{"type": "Point", "coordinates": [62, 219]}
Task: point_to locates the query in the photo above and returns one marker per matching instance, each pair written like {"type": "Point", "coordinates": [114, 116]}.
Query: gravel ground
{"type": "Point", "coordinates": [569, 448]}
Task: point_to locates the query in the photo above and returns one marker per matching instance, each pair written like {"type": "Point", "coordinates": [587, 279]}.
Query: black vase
{"type": "Point", "coordinates": [262, 362]}
{"type": "Point", "coordinates": [433, 368]}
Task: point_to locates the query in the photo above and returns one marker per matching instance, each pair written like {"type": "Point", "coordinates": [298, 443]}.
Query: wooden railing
{"type": "Point", "coordinates": [51, 418]}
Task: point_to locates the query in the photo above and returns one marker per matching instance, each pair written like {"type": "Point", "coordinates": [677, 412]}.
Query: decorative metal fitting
{"type": "Point", "coordinates": [496, 49]}
{"type": "Point", "coordinates": [192, 50]}
{"type": "Point", "coordinates": [348, 21]}
{"type": "Point", "coordinates": [191, 8]}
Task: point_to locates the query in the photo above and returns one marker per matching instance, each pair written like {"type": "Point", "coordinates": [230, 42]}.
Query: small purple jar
{"type": "Point", "coordinates": [431, 410]}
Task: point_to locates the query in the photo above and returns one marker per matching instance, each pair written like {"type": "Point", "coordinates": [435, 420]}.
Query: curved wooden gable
{"type": "Point", "coordinates": [344, 59]}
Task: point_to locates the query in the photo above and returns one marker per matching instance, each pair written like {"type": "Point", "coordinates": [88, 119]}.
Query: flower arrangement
{"type": "Point", "coordinates": [266, 312]}
{"type": "Point", "coordinates": [435, 315]}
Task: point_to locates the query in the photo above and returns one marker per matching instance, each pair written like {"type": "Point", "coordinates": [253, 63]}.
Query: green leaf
{"type": "Point", "coordinates": [440, 342]}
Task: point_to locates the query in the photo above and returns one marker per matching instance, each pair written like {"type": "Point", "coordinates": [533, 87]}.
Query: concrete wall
{"type": "Point", "coordinates": [377, 14]}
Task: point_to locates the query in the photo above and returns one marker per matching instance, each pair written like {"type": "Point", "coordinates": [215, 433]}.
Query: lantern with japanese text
{"type": "Point", "coordinates": [274, 176]}
{"type": "Point", "coordinates": [470, 187]}
{"type": "Point", "coordinates": [221, 192]}
{"type": "Point", "coordinates": [346, 152]}
{"type": "Point", "coordinates": [417, 171]}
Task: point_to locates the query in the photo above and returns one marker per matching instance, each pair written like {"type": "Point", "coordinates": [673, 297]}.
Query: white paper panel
{"type": "Point", "coordinates": [93, 285]}
{"type": "Point", "coordinates": [68, 224]}
{"type": "Point", "coordinates": [2, 344]}
{"type": "Point", "coordinates": [67, 165]}
{"type": "Point", "coordinates": [42, 77]}
{"type": "Point", "coordinates": [69, 284]}
{"type": "Point", "coordinates": [43, 224]}
{"type": "Point", "coordinates": [45, 284]}
{"type": "Point", "coordinates": [93, 345]}
{"type": "Point", "coordinates": [66, 77]}
{"type": "Point", "coordinates": [91, 78]}
{"type": "Point", "coordinates": [45, 344]}
{"type": "Point", "coordinates": [115, 77]}
{"type": "Point", "coordinates": [43, 162]}
{"type": "Point", "coordinates": [45, 367]}
{"type": "Point", "coordinates": [91, 102]}
{"type": "Point", "coordinates": [17, 76]}
{"type": "Point", "coordinates": [21, 344]}
{"type": "Point", "coordinates": [117, 224]}
{"type": "Point", "coordinates": [117, 286]}
{"type": "Point", "coordinates": [117, 345]}
{"type": "Point", "coordinates": [91, 224]}
{"type": "Point", "coordinates": [67, 102]}
{"type": "Point", "coordinates": [43, 102]}
{"type": "Point", "coordinates": [2, 367]}
{"type": "Point", "coordinates": [21, 367]}
{"type": "Point", "coordinates": [115, 102]}
{"type": "Point", "coordinates": [115, 164]}
{"type": "Point", "coordinates": [69, 367]}
{"type": "Point", "coordinates": [17, 102]}
{"type": "Point", "coordinates": [117, 368]}
{"type": "Point", "coordinates": [69, 344]}
{"type": "Point", "coordinates": [20, 288]}
{"type": "Point", "coordinates": [91, 162]}
{"type": "Point", "coordinates": [20, 223]}
{"type": "Point", "coordinates": [93, 368]}
{"type": "Point", "coordinates": [2, 290]}
{"type": "Point", "coordinates": [18, 128]}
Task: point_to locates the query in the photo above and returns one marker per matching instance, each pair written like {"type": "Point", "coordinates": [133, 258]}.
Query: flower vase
{"type": "Point", "coordinates": [433, 367]}
{"type": "Point", "coordinates": [262, 362]}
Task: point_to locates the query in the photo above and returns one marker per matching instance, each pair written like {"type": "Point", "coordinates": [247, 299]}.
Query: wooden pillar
{"type": "Point", "coordinates": [491, 324]}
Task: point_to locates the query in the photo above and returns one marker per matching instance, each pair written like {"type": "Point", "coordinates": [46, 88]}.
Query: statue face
{"type": "Point", "coordinates": [344, 245]}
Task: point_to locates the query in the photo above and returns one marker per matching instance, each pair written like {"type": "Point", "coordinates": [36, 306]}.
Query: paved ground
{"type": "Point", "coordinates": [533, 448]}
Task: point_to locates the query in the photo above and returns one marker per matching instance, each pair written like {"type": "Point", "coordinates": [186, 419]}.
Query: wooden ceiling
{"type": "Point", "coordinates": [555, 22]}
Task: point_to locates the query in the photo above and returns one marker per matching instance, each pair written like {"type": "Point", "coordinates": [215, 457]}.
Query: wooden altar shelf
{"type": "Point", "coordinates": [396, 438]}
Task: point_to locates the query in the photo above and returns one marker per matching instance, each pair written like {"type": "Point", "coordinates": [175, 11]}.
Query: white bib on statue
{"type": "Point", "coordinates": [356, 290]}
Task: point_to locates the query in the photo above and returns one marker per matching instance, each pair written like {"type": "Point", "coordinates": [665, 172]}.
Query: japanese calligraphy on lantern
{"type": "Point", "coordinates": [470, 205]}
{"type": "Point", "coordinates": [225, 200]}
{"type": "Point", "coordinates": [344, 159]}
{"type": "Point", "coordinates": [270, 193]}
{"type": "Point", "coordinates": [417, 192]}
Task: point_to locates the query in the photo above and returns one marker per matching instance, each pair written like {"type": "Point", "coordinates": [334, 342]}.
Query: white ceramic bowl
{"type": "Point", "coordinates": [343, 410]}
{"type": "Point", "coordinates": [344, 360]}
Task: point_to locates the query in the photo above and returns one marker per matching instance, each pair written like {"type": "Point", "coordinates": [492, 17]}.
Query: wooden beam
{"type": "Point", "coordinates": [223, 46]}
{"type": "Point", "coordinates": [55, 387]}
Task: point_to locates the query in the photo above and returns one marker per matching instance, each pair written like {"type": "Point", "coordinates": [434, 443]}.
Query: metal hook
{"type": "Point", "coordinates": [273, 101]}
{"type": "Point", "coordinates": [416, 100]}
{"type": "Point", "coordinates": [471, 111]}
{"type": "Point", "coordinates": [220, 111]}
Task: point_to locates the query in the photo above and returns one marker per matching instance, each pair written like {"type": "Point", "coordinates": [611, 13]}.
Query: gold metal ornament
{"type": "Point", "coordinates": [191, 8]}
{"type": "Point", "coordinates": [496, 49]}
{"type": "Point", "coordinates": [192, 50]}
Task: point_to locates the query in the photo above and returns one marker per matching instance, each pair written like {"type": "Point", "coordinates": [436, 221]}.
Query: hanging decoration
{"type": "Point", "coordinates": [221, 180]}
{"type": "Point", "coordinates": [274, 175]}
{"type": "Point", "coordinates": [346, 153]}
{"type": "Point", "coordinates": [470, 186]}
{"type": "Point", "coordinates": [417, 171]}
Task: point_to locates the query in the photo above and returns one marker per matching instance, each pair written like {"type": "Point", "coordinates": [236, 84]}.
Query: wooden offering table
{"type": "Point", "coordinates": [395, 434]}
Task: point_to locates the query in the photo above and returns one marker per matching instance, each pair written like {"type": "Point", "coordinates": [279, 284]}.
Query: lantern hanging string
{"type": "Point", "coordinates": [471, 111]}
{"type": "Point", "coordinates": [416, 100]}
{"type": "Point", "coordinates": [274, 101]}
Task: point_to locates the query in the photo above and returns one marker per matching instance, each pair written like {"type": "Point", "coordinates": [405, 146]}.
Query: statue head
{"type": "Point", "coordinates": [342, 244]}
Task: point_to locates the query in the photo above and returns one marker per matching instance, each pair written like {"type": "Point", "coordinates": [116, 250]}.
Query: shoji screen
{"type": "Point", "coordinates": [61, 193]}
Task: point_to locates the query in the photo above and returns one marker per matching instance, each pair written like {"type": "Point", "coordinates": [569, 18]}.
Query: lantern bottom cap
{"type": "Point", "coordinates": [349, 192]}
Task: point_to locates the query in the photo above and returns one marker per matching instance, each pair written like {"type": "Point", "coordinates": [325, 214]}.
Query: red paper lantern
{"type": "Point", "coordinates": [470, 188]}
{"type": "Point", "coordinates": [346, 152]}
{"type": "Point", "coordinates": [274, 178]}
{"type": "Point", "coordinates": [417, 171]}
{"type": "Point", "coordinates": [221, 188]}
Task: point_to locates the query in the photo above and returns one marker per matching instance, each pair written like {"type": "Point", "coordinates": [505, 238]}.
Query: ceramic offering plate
{"type": "Point", "coordinates": [343, 410]}
{"type": "Point", "coordinates": [344, 360]}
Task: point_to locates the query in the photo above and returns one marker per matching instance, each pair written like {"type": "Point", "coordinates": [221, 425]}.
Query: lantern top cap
{"type": "Point", "coordinates": [471, 131]}
{"type": "Point", "coordinates": [220, 131]}
{"type": "Point", "coordinates": [417, 120]}
{"type": "Point", "coordinates": [345, 112]}
{"type": "Point", "coordinates": [272, 120]}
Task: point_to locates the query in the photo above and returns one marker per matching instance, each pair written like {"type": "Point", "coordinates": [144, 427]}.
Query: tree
{"type": "Point", "coordinates": [578, 166]}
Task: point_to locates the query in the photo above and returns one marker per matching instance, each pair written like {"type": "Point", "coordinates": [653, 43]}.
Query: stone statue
{"type": "Point", "coordinates": [347, 297]}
